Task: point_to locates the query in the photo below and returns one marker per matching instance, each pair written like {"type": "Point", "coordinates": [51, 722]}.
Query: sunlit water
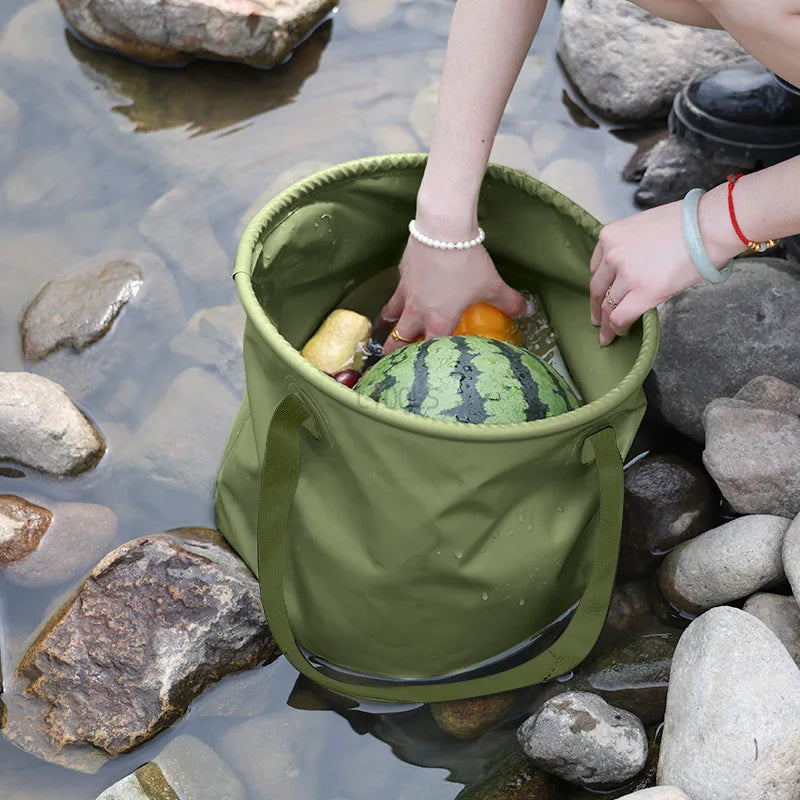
{"type": "Point", "coordinates": [99, 139]}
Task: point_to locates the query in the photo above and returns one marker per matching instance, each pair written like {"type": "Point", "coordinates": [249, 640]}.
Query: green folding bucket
{"type": "Point", "coordinates": [397, 554]}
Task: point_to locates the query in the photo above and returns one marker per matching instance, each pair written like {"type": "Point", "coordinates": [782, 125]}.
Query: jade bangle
{"type": "Point", "coordinates": [691, 235]}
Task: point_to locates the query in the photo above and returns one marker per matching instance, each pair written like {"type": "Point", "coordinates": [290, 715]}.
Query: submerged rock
{"type": "Point", "coordinates": [673, 167]}
{"type": "Point", "coordinates": [515, 779]}
{"type": "Point", "coordinates": [753, 455]}
{"type": "Point", "coordinates": [634, 607]}
{"type": "Point", "coordinates": [258, 33]}
{"type": "Point", "coordinates": [79, 535]}
{"type": "Point", "coordinates": [732, 726]}
{"type": "Point", "coordinates": [41, 428]}
{"type": "Point", "coordinates": [628, 63]}
{"type": "Point", "coordinates": [157, 620]}
{"type": "Point", "coordinates": [468, 719]}
{"type": "Point", "coordinates": [213, 338]}
{"type": "Point", "coordinates": [781, 615]}
{"type": "Point", "coordinates": [186, 769]}
{"type": "Point", "coordinates": [22, 526]}
{"type": "Point", "coordinates": [667, 500]}
{"type": "Point", "coordinates": [725, 563]}
{"type": "Point", "coordinates": [78, 310]}
{"type": "Point", "coordinates": [584, 740]}
{"type": "Point", "coordinates": [178, 225]}
{"type": "Point", "coordinates": [756, 331]}
{"type": "Point", "coordinates": [9, 126]}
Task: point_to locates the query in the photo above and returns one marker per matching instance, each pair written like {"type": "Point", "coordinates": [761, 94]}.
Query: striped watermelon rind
{"type": "Point", "coordinates": [468, 379]}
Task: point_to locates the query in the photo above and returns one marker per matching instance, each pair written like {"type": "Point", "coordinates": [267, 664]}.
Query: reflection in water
{"type": "Point", "coordinates": [204, 95]}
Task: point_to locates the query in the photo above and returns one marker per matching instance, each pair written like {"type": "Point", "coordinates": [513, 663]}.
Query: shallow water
{"type": "Point", "coordinates": [98, 140]}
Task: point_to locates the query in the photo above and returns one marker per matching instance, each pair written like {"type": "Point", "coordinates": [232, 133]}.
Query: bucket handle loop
{"type": "Point", "coordinates": [279, 475]}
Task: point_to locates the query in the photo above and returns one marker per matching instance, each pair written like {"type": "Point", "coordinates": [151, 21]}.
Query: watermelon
{"type": "Point", "coordinates": [468, 379]}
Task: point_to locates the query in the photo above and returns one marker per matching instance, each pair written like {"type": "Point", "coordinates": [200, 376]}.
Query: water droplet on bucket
{"type": "Point", "coordinates": [522, 601]}
{"type": "Point", "coordinates": [484, 595]}
{"type": "Point", "coordinates": [438, 552]}
{"type": "Point", "coordinates": [560, 510]}
{"type": "Point", "coordinates": [520, 518]}
{"type": "Point", "coordinates": [459, 554]}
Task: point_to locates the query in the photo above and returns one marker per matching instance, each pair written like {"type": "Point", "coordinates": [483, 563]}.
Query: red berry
{"type": "Point", "coordinates": [348, 377]}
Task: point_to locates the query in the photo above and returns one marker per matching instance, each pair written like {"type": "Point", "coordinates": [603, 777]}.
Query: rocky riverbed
{"type": "Point", "coordinates": [134, 656]}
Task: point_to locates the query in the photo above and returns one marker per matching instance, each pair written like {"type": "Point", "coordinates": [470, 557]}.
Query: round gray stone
{"type": "Point", "coordinates": [724, 564]}
{"type": "Point", "coordinates": [657, 793]}
{"type": "Point", "coordinates": [756, 331]}
{"type": "Point", "coordinates": [753, 455]}
{"type": "Point", "coordinates": [732, 725]}
{"type": "Point", "coordinates": [582, 739]}
{"type": "Point", "coordinates": [41, 428]}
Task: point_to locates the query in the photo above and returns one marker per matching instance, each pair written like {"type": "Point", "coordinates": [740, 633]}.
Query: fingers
{"type": "Point", "coordinates": [510, 302]}
{"type": "Point", "coordinates": [618, 320]}
{"type": "Point", "coordinates": [597, 258]}
{"type": "Point", "coordinates": [409, 326]}
{"type": "Point", "coordinates": [393, 310]}
{"type": "Point", "coordinates": [602, 279]}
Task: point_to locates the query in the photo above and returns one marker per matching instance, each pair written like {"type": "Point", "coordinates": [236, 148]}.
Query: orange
{"type": "Point", "coordinates": [482, 319]}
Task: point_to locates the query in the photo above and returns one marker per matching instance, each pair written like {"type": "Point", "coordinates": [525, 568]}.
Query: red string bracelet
{"type": "Point", "coordinates": [756, 247]}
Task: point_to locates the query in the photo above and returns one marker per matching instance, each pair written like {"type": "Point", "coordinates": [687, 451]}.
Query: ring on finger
{"type": "Point", "coordinates": [398, 338]}
{"type": "Point", "coordinates": [610, 300]}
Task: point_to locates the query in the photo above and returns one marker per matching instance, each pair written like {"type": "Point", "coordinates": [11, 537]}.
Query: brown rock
{"type": "Point", "coordinates": [169, 32]}
{"type": "Point", "coordinates": [22, 525]}
{"type": "Point", "coordinates": [77, 311]}
{"type": "Point", "coordinates": [468, 719]}
{"type": "Point", "coordinates": [157, 620]}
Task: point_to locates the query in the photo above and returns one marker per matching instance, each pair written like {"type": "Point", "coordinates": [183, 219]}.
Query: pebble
{"type": "Point", "coordinates": [22, 526]}
{"type": "Point", "coordinates": [582, 739]}
{"type": "Point", "coordinates": [732, 725]}
{"type": "Point", "coordinates": [42, 429]}
{"type": "Point", "coordinates": [724, 564]}
{"type": "Point", "coordinates": [469, 719]}
{"type": "Point", "coordinates": [781, 615]}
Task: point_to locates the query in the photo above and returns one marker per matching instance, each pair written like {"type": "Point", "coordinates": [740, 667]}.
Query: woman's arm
{"type": "Point", "coordinates": [642, 260]}
{"type": "Point", "coordinates": [488, 42]}
{"type": "Point", "coordinates": [687, 12]}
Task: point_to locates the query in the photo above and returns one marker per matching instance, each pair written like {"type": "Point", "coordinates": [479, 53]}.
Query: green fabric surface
{"type": "Point", "coordinates": [393, 545]}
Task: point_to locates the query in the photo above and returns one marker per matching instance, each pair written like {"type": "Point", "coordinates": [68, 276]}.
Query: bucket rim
{"type": "Point", "coordinates": [589, 416]}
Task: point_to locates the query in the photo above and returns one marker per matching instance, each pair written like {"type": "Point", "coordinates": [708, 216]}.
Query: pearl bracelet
{"type": "Point", "coordinates": [427, 240]}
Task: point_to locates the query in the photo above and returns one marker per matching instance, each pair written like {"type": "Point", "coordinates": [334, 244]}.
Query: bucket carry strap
{"type": "Point", "coordinates": [279, 476]}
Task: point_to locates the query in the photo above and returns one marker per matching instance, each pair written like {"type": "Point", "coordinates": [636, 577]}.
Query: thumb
{"type": "Point", "coordinates": [511, 302]}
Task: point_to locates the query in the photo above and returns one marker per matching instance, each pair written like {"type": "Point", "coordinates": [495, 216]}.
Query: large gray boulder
{"type": "Point", "coordinates": [628, 63]}
{"type": "Point", "coordinates": [171, 32]}
{"type": "Point", "coordinates": [716, 338]}
{"type": "Point", "coordinates": [732, 726]}
{"type": "Point", "coordinates": [42, 429]}
{"type": "Point", "coordinates": [579, 737]}
{"type": "Point", "coordinates": [157, 620]}
{"type": "Point", "coordinates": [781, 615]}
{"type": "Point", "coordinates": [725, 564]}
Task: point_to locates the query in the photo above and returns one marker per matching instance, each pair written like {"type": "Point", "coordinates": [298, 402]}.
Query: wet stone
{"type": "Point", "coordinates": [667, 501]}
{"type": "Point", "coordinates": [468, 719]}
{"type": "Point", "coordinates": [213, 338]}
{"type": "Point", "coordinates": [156, 621]}
{"type": "Point", "coordinates": [634, 607]}
{"type": "Point", "coordinates": [186, 769]}
{"type": "Point", "coordinates": [22, 526]}
{"type": "Point", "coordinates": [42, 429]}
{"type": "Point", "coordinates": [515, 779]}
{"type": "Point", "coordinates": [733, 712]}
{"type": "Point", "coordinates": [632, 675]}
{"type": "Point", "coordinates": [257, 33]}
{"type": "Point", "coordinates": [756, 332]}
{"type": "Point", "coordinates": [673, 167]}
{"type": "Point", "coordinates": [724, 564]}
{"type": "Point", "coordinates": [178, 225]}
{"type": "Point", "coordinates": [781, 615]}
{"type": "Point", "coordinates": [79, 535]}
{"type": "Point", "coordinates": [77, 311]}
{"type": "Point", "coordinates": [753, 455]}
{"type": "Point", "coordinates": [583, 740]}
{"type": "Point", "coordinates": [628, 63]}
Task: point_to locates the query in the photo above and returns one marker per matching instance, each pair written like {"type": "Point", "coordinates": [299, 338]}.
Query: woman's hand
{"type": "Point", "coordinates": [641, 261]}
{"type": "Point", "coordinates": [436, 286]}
